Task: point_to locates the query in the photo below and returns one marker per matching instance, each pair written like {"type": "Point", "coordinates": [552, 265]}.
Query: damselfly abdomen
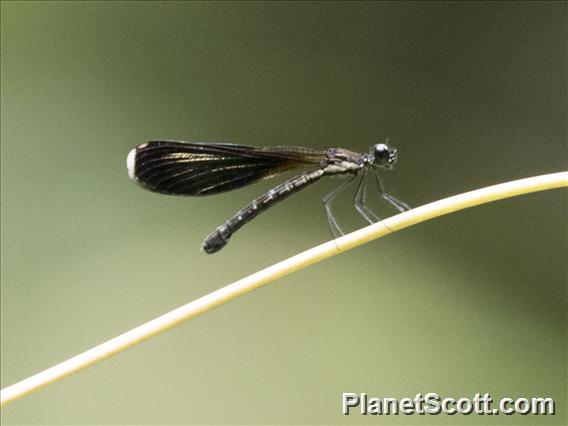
{"type": "Point", "coordinates": [195, 168]}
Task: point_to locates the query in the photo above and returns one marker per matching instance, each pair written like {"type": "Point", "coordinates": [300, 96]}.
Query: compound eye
{"type": "Point", "coordinates": [381, 152]}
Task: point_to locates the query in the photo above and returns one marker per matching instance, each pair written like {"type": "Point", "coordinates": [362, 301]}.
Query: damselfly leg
{"type": "Point", "coordinates": [327, 200]}
{"type": "Point", "coordinates": [399, 205]}
{"type": "Point", "coordinates": [360, 200]}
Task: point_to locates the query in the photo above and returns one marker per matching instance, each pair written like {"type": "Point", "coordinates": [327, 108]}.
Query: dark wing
{"type": "Point", "coordinates": [195, 168]}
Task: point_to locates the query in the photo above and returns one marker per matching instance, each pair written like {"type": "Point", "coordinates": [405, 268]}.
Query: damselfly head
{"type": "Point", "coordinates": [385, 156]}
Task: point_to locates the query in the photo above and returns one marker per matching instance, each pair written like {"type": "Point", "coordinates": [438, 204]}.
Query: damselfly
{"type": "Point", "coordinates": [195, 168]}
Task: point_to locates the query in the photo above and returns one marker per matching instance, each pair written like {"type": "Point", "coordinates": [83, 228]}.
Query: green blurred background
{"type": "Point", "coordinates": [472, 94]}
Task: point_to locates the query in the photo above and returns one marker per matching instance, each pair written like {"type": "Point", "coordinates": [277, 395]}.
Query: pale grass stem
{"type": "Point", "coordinates": [278, 270]}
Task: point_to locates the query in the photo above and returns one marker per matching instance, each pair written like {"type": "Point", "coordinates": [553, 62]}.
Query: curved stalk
{"type": "Point", "coordinates": [279, 270]}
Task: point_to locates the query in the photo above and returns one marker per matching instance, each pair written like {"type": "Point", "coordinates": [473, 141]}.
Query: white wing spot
{"type": "Point", "coordinates": [131, 163]}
